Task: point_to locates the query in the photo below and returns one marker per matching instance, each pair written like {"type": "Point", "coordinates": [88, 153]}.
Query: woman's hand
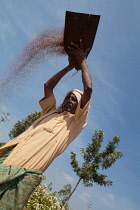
{"type": "Point", "coordinates": [78, 52]}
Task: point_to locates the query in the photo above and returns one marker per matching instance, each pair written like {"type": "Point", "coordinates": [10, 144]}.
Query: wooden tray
{"type": "Point", "coordinates": [80, 26]}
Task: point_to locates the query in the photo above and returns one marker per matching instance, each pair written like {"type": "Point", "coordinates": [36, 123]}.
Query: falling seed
{"type": "Point", "coordinates": [48, 44]}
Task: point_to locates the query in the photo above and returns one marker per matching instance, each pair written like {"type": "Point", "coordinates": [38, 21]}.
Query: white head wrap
{"type": "Point", "coordinates": [77, 93]}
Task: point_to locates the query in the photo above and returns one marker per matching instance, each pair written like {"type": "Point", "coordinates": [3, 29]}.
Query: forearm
{"type": "Point", "coordinates": [86, 77]}
{"type": "Point", "coordinates": [80, 56]}
{"type": "Point", "coordinates": [53, 81]}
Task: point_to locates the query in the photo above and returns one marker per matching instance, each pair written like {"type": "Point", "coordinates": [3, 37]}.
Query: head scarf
{"type": "Point", "coordinates": [77, 93]}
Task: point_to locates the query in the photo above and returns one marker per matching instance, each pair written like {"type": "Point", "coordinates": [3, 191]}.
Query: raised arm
{"type": "Point", "coordinates": [80, 56]}
{"type": "Point", "coordinates": [53, 81]}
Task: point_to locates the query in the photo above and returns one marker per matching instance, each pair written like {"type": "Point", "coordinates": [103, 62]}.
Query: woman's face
{"type": "Point", "coordinates": [70, 103]}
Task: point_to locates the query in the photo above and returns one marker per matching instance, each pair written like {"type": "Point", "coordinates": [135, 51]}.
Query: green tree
{"type": "Point", "coordinates": [40, 199]}
{"type": "Point", "coordinates": [2, 144]}
{"type": "Point", "coordinates": [22, 125]}
{"type": "Point", "coordinates": [64, 194]}
{"type": "Point", "coordinates": [43, 198]}
{"type": "Point", "coordinates": [94, 160]}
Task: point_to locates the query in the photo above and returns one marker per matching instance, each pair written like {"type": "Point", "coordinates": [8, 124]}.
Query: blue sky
{"type": "Point", "coordinates": [114, 65]}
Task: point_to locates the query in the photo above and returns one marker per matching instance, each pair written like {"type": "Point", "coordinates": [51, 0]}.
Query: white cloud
{"type": "Point", "coordinates": [112, 201]}
{"type": "Point", "coordinates": [2, 108]}
{"type": "Point", "coordinates": [68, 178]}
{"type": "Point", "coordinates": [85, 197]}
{"type": "Point", "coordinates": [111, 196]}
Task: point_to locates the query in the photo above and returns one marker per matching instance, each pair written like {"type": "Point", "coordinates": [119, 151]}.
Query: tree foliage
{"type": "Point", "coordinates": [22, 125]}
{"type": "Point", "coordinates": [43, 199]}
{"type": "Point", "coordinates": [94, 160]}
{"type": "Point", "coordinates": [2, 144]}
{"type": "Point", "coordinates": [40, 199]}
{"type": "Point", "coordinates": [64, 194]}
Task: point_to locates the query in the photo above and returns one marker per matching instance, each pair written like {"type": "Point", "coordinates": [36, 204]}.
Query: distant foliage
{"type": "Point", "coordinates": [22, 125]}
{"type": "Point", "coordinates": [40, 199]}
{"type": "Point", "coordinates": [64, 194]}
{"type": "Point", "coordinates": [43, 199]}
{"type": "Point", "coordinates": [2, 144]}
